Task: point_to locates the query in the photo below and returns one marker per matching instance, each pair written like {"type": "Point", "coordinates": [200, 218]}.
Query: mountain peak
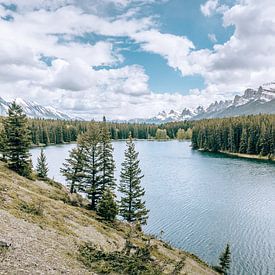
{"type": "Point", "coordinates": [34, 110]}
{"type": "Point", "coordinates": [253, 101]}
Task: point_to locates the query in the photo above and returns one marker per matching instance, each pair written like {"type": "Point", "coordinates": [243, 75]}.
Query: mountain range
{"type": "Point", "coordinates": [253, 101]}
{"type": "Point", "coordinates": [34, 110]}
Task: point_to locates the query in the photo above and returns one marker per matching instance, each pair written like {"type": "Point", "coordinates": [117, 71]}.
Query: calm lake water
{"type": "Point", "coordinates": [202, 201]}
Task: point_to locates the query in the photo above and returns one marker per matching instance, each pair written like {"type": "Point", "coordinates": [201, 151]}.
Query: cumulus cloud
{"type": "Point", "coordinates": [209, 7]}
{"type": "Point", "coordinates": [173, 48]}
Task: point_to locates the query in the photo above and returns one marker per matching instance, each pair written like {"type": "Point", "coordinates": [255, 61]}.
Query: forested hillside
{"type": "Point", "coordinates": [58, 132]}
{"type": "Point", "coordinates": [253, 135]}
{"type": "Point", "coordinates": [63, 131]}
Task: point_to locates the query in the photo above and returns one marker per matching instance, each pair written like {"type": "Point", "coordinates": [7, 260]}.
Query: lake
{"type": "Point", "coordinates": [202, 201]}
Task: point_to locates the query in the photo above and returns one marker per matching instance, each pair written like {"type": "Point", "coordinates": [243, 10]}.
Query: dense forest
{"type": "Point", "coordinates": [245, 135]}
{"type": "Point", "coordinates": [58, 132]}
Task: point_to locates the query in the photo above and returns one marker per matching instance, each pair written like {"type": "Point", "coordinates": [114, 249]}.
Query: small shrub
{"type": "Point", "coordinates": [107, 207]}
{"type": "Point", "coordinates": [31, 208]}
{"type": "Point", "coordinates": [4, 247]}
{"type": "Point", "coordinates": [119, 262]}
{"type": "Point", "coordinates": [179, 266]}
{"type": "Point", "coordinates": [167, 245]}
{"type": "Point", "coordinates": [76, 200]}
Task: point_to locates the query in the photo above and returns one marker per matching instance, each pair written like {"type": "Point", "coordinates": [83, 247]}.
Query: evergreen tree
{"type": "Point", "coordinates": [244, 142]}
{"type": "Point", "coordinates": [132, 208]}
{"type": "Point", "coordinates": [91, 172]}
{"type": "Point", "coordinates": [73, 169]}
{"type": "Point", "coordinates": [107, 207]}
{"type": "Point", "coordinates": [106, 161]}
{"type": "Point", "coordinates": [264, 141]}
{"type": "Point", "coordinates": [250, 145]}
{"type": "Point", "coordinates": [3, 143]}
{"type": "Point", "coordinates": [225, 260]}
{"type": "Point", "coordinates": [42, 166]}
{"type": "Point", "coordinates": [18, 141]}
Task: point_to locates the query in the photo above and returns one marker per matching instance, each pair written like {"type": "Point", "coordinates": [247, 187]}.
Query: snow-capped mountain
{"type": "Point", "coordinates": [34, 110]}
{"type": "Point", "coordinates": [253, 101]}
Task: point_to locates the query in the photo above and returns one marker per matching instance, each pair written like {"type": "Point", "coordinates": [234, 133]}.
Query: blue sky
{"type": "Point", "coordinates": [134, 58]}
{"type": "Point", "coordinates": [175, 17]}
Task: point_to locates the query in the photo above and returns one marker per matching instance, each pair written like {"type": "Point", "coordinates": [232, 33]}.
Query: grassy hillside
{"type": "Point", "coordinates": [47, 234]}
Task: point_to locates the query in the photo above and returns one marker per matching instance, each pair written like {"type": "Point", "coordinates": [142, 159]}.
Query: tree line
{"type": "Point", "coordinates": [254, 134]}
{"type": "Point", "coordinates": [61, 131]}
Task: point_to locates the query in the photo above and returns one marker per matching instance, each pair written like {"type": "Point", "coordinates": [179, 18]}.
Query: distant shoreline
{"type": "Point", "coordinates": [248, 156]}
{"type": "Point", "coordinates": [244, 156]}
{"type": "Point", "coordinates": [42, 145]}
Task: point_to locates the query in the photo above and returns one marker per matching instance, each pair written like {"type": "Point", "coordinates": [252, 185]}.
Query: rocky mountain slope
{"type": "Point", "coordinates": [34, 110]}
{"type": "Point", "coordinates": [41, 232]}
{"type": "Point", "coordinates": [253, 101]}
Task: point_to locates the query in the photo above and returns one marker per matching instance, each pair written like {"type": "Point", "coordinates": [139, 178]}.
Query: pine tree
{"type": "Point", "coordinates": [42, 166]}
{"type": "Point", "coordinates": [225, 260]}
{"type": "Point", "coordinates": [106, 161]}
{"type": "Point", "coordinates": [18, 141]}
{"type": "Point", "coordinates": [243, 142]}
{"type": "Point", "coordinates": [73, 169]}
{"type": "Point", "coordinates": [91, 172]}
{"type": "Point", "coordinates": [3, 143]}
{"type": "Point", "coordinates": [107, 207]}
{"type": "Point", "coordinates": [132, 208]}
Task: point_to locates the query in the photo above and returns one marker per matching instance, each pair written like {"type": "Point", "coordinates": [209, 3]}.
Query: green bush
{"type": "Point", "coordinates": [119, 262]}
{"type": "Point", "coordinates": [31, 208]}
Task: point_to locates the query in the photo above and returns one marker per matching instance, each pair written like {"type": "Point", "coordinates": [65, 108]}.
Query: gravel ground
{"type": "Point", "coordinates": [34, 250]}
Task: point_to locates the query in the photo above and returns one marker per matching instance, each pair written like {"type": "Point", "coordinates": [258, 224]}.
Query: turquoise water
{"type": "Point", "coordinates": [202, 201]}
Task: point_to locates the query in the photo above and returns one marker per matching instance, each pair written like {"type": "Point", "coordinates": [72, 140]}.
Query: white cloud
{"type": "Point", "coordinates": [212, 37]}
{"type": "Point", "coordinates": [174, 49]}
{"type": "Point", "coordinates": [209, 7]}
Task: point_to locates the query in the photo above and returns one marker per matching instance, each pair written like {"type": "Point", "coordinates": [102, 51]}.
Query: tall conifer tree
{"type": "Point", "coordinates": [132, 207]}
{"type": "Point", "coordinates": [42, 166]}
{"type": "Point", "coordinates": [18, 140]}
{"type": "Point", "coordinates": [91, 176]}
{"type": "Point", "coordinates": [73, 169]}
{"type": "Point", "coordinates": [244, 142]}
{"type": "Point", "coordinates": [3, 143]}
{"type": "Point", "coordinates": [106, 160]}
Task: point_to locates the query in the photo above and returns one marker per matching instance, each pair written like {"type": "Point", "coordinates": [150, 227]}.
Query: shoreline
{"type": "Point", "coordinates": [248, 156]}
{"type": "Point", "coordinates": [41, 145]}
{"type": "Point", "coordinates": [240, 155]}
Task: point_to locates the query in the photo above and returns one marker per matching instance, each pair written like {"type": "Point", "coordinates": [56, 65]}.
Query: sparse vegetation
{"type": "Point", "coordinates": [32, 208]}
{"type": "Point", "coordinates": [137, 262]}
